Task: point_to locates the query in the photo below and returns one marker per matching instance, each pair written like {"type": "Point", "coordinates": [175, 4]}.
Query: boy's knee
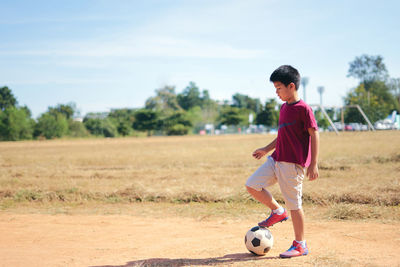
{"type": "Point", "coordinates": [298, 209]}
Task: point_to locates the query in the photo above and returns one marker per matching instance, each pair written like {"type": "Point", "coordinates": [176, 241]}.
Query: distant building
{"type": "Point", "coordinates": [97, 115]}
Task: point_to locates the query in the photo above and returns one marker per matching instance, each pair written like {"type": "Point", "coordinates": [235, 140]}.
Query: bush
{"type": "Point", "coordinates": [146, 120]}
{"type": "Point", "coordinates": [124, 128]}
{"type": "Point", "coordinates": [178, 129]}
{"type": "Point", "coordinates": [101, 127]}
{"type": "Point", "coordinates": [177, 123]}
{"type": "Point", "coordinates": [77, 129]}
{"type": "Point", "coordinates": [109, 129]}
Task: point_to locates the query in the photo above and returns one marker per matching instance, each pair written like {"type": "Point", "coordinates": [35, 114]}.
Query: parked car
{"type": "Point", "coordinates": [353, 126]}
{"type": "Point", "coordinates": [348, 127]}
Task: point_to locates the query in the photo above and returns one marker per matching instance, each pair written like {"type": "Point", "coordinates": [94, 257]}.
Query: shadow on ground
{"type": "Point", "coordinates": [230, 258]}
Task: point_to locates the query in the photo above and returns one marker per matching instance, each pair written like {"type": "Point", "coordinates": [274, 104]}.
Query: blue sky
{"type": "Point", "coordinates": [104, 54]}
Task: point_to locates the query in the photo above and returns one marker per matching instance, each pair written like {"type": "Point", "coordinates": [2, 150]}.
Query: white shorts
{"type": "Point", "coordinates": [289, 177]}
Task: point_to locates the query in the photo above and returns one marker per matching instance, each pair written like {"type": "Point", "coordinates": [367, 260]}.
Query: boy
{"type": "Point", "coordinates": [296, 147]}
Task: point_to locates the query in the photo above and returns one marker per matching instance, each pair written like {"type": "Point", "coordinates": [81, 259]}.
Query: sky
{"type": "Point", "coordinates": [106, 54]}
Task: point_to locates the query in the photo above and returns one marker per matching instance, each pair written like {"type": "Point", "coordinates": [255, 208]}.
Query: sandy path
{"type": "Point", "coordinates": [117, 240]}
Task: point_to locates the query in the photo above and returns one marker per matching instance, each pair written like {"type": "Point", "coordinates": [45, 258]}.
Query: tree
{"type": "Point", "coordinates": [109, 129]}
{"type": "Point", "coordinates": [374, 93]}
{"type": "Point", "coordinates": [123, 120]}
{"type": "Point", "coordinates": [244, 101]}
{"type": "Point", "coordinates": [62, 116]}
{"type": "Point", "coordinates": [165, 100]}
{"type": "Point", "coordinates": [177, 124]}
{"type": "Point", "coordinates": [51, 126]}
{"type": "Point", "coordinates": [368, 69]}
{"type": "Point", "coordinates": [199, 117]}
{"type": "Point", "coordinates": [377, 106]}
{"type": "Point", "coordinates": [269, 116]}
{"type": "Point", "coordinates": [146, 120]}
{"type": "Point", "coordinates": [230, 116]}
{"type": "Point", "coordinates": [100, 126]}
{"type": "Point", "coordinates": [77, 129]}
{"type": "Point", "coordinates": [394, 86]}
{"type": "Point", "coordinates": [7, 99]}
{"type": "Point", "coordinates": [16, 124]}
{"type": "Point", "coordinates": [322, 121]}
{"type": "Point", "coordinates": [190, 97]}
{"type": "Point", "coordinates": [205, 97]}
{"type": "Point", "coordinates": [239, 100]}
{"type": "Point", "coordinates": [208, 111]}
{"type": "Point", "coordinates": [93, 125]}
{"type": "Point", "coordinates": [124, 114]}
{"type": "Point", "coordinates": [124, 128]}
{"type": "Point", "coordinates": [67, 110]}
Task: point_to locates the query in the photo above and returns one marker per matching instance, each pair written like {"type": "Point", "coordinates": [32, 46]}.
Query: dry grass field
{"type": "Point", "coordinates": [359, 172]}
{"type": "Point", "coordinates": [198, 178]}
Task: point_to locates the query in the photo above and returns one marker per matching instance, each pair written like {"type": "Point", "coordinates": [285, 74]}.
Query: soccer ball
{"type": "Point", "coordinates": [259, 240]}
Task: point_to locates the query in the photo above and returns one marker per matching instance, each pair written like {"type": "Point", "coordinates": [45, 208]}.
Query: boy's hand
{"type": "Point", "coordinates": [259, 153]}
{"type": "Point", "coordinates": [312, 172]}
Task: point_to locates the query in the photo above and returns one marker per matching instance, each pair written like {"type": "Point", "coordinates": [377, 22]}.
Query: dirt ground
{"type": "Point", "coordinates": [125, 240]}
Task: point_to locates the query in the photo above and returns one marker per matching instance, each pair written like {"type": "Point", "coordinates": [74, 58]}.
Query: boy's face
{"type": "Point", "coordinates": [285, 93]}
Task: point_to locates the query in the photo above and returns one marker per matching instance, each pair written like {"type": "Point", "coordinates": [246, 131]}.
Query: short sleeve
{"type": "Point", "coordinates": [310, 121]}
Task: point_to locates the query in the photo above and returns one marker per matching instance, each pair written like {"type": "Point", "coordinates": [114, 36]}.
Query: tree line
{"type": "Point", "coordinates": [377, 93]}
{"type": "Point", "coordinates": [172, 113]}
{"type": "Point", "coordinates": [165, 113]}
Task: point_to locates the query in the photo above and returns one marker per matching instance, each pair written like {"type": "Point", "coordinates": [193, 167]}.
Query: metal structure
{"type": "Point", "coordinates": [326, 116]}
{"type": "Point", "coordinates": [322, 108]}
{"type": "Point", "coordinates": [371, 127]}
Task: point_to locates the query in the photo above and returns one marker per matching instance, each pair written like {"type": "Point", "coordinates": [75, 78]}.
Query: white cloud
{"type": "Point", "coordinates": [147, 46]}
{"type": "Point", "coordinates": [68, 19]}
{"type": "Point", "coordinates": [56, 81]}
{"type": "Point", "coordinates": [179, 32]}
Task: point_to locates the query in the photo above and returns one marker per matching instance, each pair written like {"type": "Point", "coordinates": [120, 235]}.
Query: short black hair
{"type": "Point", "coordinates": [286, 74]}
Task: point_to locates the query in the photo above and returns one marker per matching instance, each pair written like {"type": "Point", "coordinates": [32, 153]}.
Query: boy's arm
{"type": "Point", "coordinates": [312, 171]}
{"type": "Point", "coordinates": [261, 152]}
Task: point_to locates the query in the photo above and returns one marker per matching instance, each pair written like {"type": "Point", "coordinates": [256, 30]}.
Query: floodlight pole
{"type": "Point", "coordinates": [304, 82]}
{"type": "Point", "coordinates": [321, 90]}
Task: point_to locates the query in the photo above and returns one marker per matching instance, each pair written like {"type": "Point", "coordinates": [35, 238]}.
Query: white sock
{"type": "Point", "coordinates": [302, 243]}
{"type": "Point", "coordinates": [279, 210]}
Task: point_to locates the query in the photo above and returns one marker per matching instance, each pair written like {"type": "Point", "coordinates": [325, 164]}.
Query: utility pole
{"type": "Point", "coordinates": [321, 90]}
{"type": "Point", "coordinates": [304, 82]}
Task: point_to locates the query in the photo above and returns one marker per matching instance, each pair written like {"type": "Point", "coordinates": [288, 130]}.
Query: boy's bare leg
{"type": "Point", "coordinates": [298, 224]}
{"type": "Point", "coordinates": [265, 197]}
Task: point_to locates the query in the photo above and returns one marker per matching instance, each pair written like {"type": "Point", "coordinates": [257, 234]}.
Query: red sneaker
{"type": "Point", "coordinates": [294, 251]}
{"type": "Point", "coordinates": [273, 219]}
